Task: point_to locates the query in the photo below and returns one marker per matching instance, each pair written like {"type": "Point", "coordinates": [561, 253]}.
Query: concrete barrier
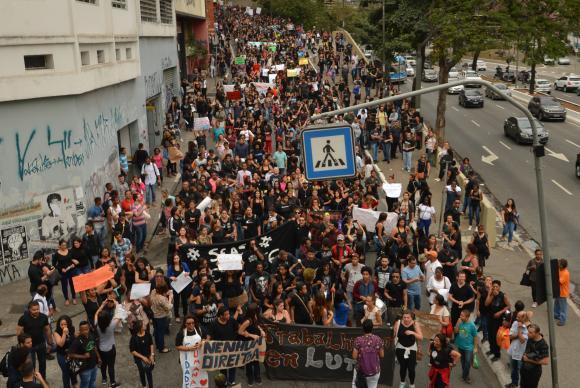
{"type": "Point", "coordinates": [488, 212]}
{"type": "Point", "coordinates": [354, 44]}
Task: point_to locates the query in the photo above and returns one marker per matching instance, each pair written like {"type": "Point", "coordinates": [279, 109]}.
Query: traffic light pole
{"type": "Point", "coordinates": [538, 154]}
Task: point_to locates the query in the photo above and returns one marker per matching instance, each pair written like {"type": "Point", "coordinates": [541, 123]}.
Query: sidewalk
{"type": "Point", "coordinates": [507, 264]}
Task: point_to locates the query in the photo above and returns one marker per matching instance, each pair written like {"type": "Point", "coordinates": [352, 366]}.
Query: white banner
{"type": "Point", "coordinates": [392, 190]}
{"type": "Point", "coordinates": [230, 262]}
{"type": "Point", "coordinates": [201, 124]}
{"type": "Point", "coordinates": [193, 375]}
{"type": "Point", "coordinates": [140, 290]}
{"type": "Point", "coordinates": [368, 218]}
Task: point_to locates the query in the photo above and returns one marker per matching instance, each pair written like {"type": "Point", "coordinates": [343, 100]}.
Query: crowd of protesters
{"type": "Point", "coordinates": [249, 165]}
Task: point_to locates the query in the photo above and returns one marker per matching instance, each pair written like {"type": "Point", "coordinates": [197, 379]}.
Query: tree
{"type": "Point", "coordinates": [540, 28]}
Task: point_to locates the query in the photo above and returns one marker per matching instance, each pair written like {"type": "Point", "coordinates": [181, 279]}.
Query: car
{"type": "Point", "coordinates": [469, 75]}
{"type": "Point", "coordinates": [453, 73]}
{"type": "Point", "coordinates": [567, 83]}
{"type": "Point", "coordinates": [454, 89]}
{"type": "Point", "coordinates": [410, 71]}
{"type": "Point", "coordinates": [430, 75]}
{"type": "Point", "coordinates": [481, 65]}
{"type": "Point", "coordinates": [578, 166]}
{"type": "Point", "coordinates": [470, 97]}
{"type": "Point", "coordinates": [498, 96]}
{"type": "Point", "coordinates": [508, 76]}
{"type": "Point", "coordinates": [411, 60]}
{"type": "Point", "coordinates": [546, 107]}
{"type": "Point", "coordinates": [543, 85]}
{"type": "Point", "coordinates": [520, 129]}
{"type": "Point", "coordinates": [428, 65]}
{"type": "Point", "coordinates": [368, 53]}
{"type": "Point", "coordinates": [549, 61]}
{"type": "Point", "coordinates": [563, 61]}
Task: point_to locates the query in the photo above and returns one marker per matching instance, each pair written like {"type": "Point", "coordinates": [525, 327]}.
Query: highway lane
{"type": "Point", "coordinates": [512, 175]}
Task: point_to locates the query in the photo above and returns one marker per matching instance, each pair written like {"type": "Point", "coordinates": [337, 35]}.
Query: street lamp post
{"type": "Point", "coordinates": [538, 154]}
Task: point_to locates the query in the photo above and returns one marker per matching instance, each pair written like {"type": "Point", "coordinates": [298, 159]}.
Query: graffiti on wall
{"type": "Point", "coordinates": [105, 173]}
{"type": "Point", "coordinates": [152, 84]}
{"type": "Point", "coordinates": [38, 224]}
{"type": "Point", "coordinates": [38, 152]}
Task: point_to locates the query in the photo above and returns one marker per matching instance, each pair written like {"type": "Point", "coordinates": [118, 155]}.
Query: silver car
{"type": "Point", "coordinates": [543, 85]}
{"type": "Point", "coordinates": [494, 95]}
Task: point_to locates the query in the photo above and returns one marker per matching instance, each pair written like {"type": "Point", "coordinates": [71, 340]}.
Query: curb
{"type": "Point", "coordinates": [499, 368]}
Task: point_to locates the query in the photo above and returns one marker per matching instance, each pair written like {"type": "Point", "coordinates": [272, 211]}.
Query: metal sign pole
{"type": "Point", "coordinates": [538, 154]}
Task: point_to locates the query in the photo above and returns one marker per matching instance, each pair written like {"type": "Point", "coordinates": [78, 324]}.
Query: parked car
{"type": "Point", "coordinates": [563, 61]}
{"type": "Point", "coordinates": [578, 166]}
{"type": "Point", "coordinates": [470, 97]}
{"type": "Point", "coordinates": [567, 82]}
{"type": "Point", "coordinates": [508, 76]}
{"type": "Point", "coordinates": [430, 75]}
{"type": "Point", "coordinates": [453, 73]}
{"type": "Point", "coordinates": [543, 85]}
{"type": "Point", "coordinates": [520, 129]}
{"type": "Point", "coordinates": [494, 95]}
{"type": "Point", "coordinates": [469, 75]}
{"type": "Point", "coordinates": [546, 107]}
{"type": "Point", "coordinates": [549, 61]}
{"type": "Point", "coordinates": [411, 60]}
{"type": "Point", "coordinates": [481, 65]}
{"type": "Point", "coordinates": [410, 71]}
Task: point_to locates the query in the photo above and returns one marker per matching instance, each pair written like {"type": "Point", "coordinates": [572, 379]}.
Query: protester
{"type": "Point", "coordinates": [498, 304]}
{"type": "Point", "coordinates": [16, 358]}
{"type": "Point", "coordinates": [142, 349]}
{"type": "Point", "coordinates": [106, 323]}
{"type": "Point", "coordinates": [561, 302]}
{"type": "Point", "coordinates": [532, 268]}
{"type": "Point", "coordinates": [34, 323]}
{"type": "Point", "coordinates": [519, 339]}
{"type": "Point", "coordinates": [441, 359]}
{"type": "Point", "coordinates": [408, 335]}
{"type": "Point", "coordinates": [225, 328]}
{"type": "Point", "coordinates": [84, 350]}
{"type": "Point", "coordinates": [466, 342]}
{"type": "Point", "coordinates": [535, 356]}
{"type": "Point", "coordinates": [64, 334]}
{"type": "Point", "coordinates": [250, 329]}
{"type": "Point", "coordinates": [368, 350]}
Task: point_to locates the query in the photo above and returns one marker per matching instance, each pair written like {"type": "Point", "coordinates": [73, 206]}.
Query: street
{"type": "Point", "coordinates": [512, 174]}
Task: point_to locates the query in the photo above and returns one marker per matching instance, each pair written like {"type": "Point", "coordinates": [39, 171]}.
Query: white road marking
{"type": "Point", "coordinates": [505, 145]}
{"type": "Point", "coordinates": [489, 159]}
{"type": "Point", "coordinates": [475, 122]}
{"type": "Point", "coordinates": [556, 155]}
{"type": "Point", "coordinates": [455, 108]}
{"type": "Point", "coordinates": [499, 106]}
{"type": "Point", "coordinates": [562, 187]}
{"type": "Point", "coordinates": [571, 142]}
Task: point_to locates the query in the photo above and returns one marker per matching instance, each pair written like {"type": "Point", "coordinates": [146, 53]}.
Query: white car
{"type": "Point", "coordinates": [481, 65]}
{"type": "Point", "coordinates": [568, 82]}
{"type": "Point", "coordinates": [563, 61]}
{"type": "Point", "coordinates": [543, 85]}
{"type": "Point", "coordinates": [469, 75]}
{"type": "Point", "coordinates": [453, 73]}
{"type": "Point", "coordinates": [411, 60]}
{"type": "Point", "coordinates": [368, 53]}
{"type": "Point", "coordinates": [410, 71]}
{"type": "Point", "coordinates": [454, 89]}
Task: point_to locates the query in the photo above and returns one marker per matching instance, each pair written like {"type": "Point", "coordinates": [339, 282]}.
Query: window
{"type": "Point", "coordinates": [88, 1]}
{"type": "Point", "coordinates": [166, 11]}
{"type": "Point", "coordinates": [122, 4]}
{"type": "Point", "coordinates": [38, 62]}
{"type": "Point", "coordinates": [101, 56]}
{"type": "Point", "coordinates": [128, 53]}
{"type": "Point", "coordinates": [118, 54]}
{"type": "Point", "coordinates": [85, 58]}
{"type": "Point", "coordinates": [149, 10]}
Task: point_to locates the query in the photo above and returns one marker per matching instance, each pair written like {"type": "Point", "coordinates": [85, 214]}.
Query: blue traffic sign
{"type": "Point", "coordinates": [329, 152]}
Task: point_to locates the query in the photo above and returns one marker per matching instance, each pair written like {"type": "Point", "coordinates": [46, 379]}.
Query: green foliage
{"type": "Point", "coordinates": [306, 12]}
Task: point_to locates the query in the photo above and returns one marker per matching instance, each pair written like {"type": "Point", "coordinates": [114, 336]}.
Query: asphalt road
{"type": "Point", "coordinates": [512, 174]}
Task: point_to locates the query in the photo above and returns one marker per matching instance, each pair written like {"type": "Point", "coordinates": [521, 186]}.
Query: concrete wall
{"type": "Point", "coordinates": [194, 8]}
{"type": "Point", "coordinates": [64, 145]}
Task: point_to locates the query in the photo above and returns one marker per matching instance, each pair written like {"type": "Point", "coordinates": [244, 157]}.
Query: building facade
{"type": "Point", "coordinates": [78, 80]}
{"type": "Point", "coordinates": [192, 34]}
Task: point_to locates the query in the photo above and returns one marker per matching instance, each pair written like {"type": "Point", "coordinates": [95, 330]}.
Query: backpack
{"type": "Point", "coordinates": [4, 364]}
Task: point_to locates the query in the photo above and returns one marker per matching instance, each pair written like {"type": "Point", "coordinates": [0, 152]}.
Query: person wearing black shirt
{"type": "Point", "coordinates": [139, 158]}
{"type": "Point", "coordinates": [498, 305]}
{"type": "Point", "coordinates": [250, 224]}
{"type": "Point", "coordinates": [448, 259]}
{"type": "Point", "coordinates": [396, 296]}
{"type": "Point", "coordinates": [537, 353]}
{"type": "Point", "coordinates": [35, 274]}
{"type": "Point", "coordinates": [299, 306]}
{"type": "Point", "coordinates": [17, 356]}
{"type": "Point", "coordinates": [30, 378]}
{"type": "Point", "coordinates": [36, 325]}
{"type": "Point", "coordinates": [84, 349]}
{"type": "Point", "coordinates": [259, 284]}
{"type": "Point", "coordinates": [382, 275]}
{"type": "Point", "coordinates": [462, 297]}
{"type": "Point", "coordinates": [225, 328]}
{"type": "Point", "coordinates": [284, 208]}
{"type": "Point", "coordinates": [141, 347]}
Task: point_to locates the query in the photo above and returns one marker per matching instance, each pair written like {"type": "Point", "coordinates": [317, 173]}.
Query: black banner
{"type": "Point", "coordinates": [281, 238]}
{"type": "Point", "coordinates": [317, 353]}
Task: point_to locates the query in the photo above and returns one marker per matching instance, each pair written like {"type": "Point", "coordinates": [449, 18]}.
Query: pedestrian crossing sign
{"type": "Point", "coordinates": [329, 152]}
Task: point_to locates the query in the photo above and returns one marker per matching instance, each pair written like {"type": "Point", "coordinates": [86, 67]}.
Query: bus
{"type": "Point", "coordinates": [398, 70]}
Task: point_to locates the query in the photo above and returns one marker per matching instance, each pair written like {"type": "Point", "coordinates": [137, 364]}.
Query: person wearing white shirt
{"type": "Point", "coordinates": [438, 285]}
{"type": "Point", "coordinates": [426, 215]}
{"type": "Point", "coordinates": [151, 173]}
{"type": "Point", "coordinates": [242, 174]}
{"type": "Point", "coordinates": [431, 265]}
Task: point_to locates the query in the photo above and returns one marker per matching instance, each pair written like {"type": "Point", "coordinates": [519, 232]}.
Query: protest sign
{"type": "Point", "coordinates": [262, 87]}
{"type": "Point", "coordinates": [430, 323]}
{"type": "Point", "coordinates": [181, 282]}
{"type": "Point", "coordinates": [281, 238]}
{"type": "Point", "coordinates": [316, 353]}
{"type": "Point", "coordinates": [272, 78]}
{"type": "Point", "coordinates": [193, 375]}
{"type": "Point", "coordinates": [392, 190]}
{"type": "Point", "coordinates": [258, 10]}
{"type": "Point", "coordinates": [204, 204]}
{"type": "Point", "coordinates": [280, 67]}
{"type": "Point", "coordinates": [368, 218]}
{"type": "Point", "coordinates": [201, 123]}
{"type": "Point", "coordinates": [235, 95]}
{"type": "Point", "coordinates": [241, 60]}
{"type": "Point", "coordinates": [219, 355]}
{"type": "Point", "coordinates": [293, 72]}
{"type": "Point", "coordinates": [92, 279]}
{"type": "Point", "coordinates": [272, 48]}
{"type": "Point", "coordinates": [303, 61]}
{"type": "Point", "coordinates": [140, 290]}
{"type": "Point", "coordinates": [230, 262]}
